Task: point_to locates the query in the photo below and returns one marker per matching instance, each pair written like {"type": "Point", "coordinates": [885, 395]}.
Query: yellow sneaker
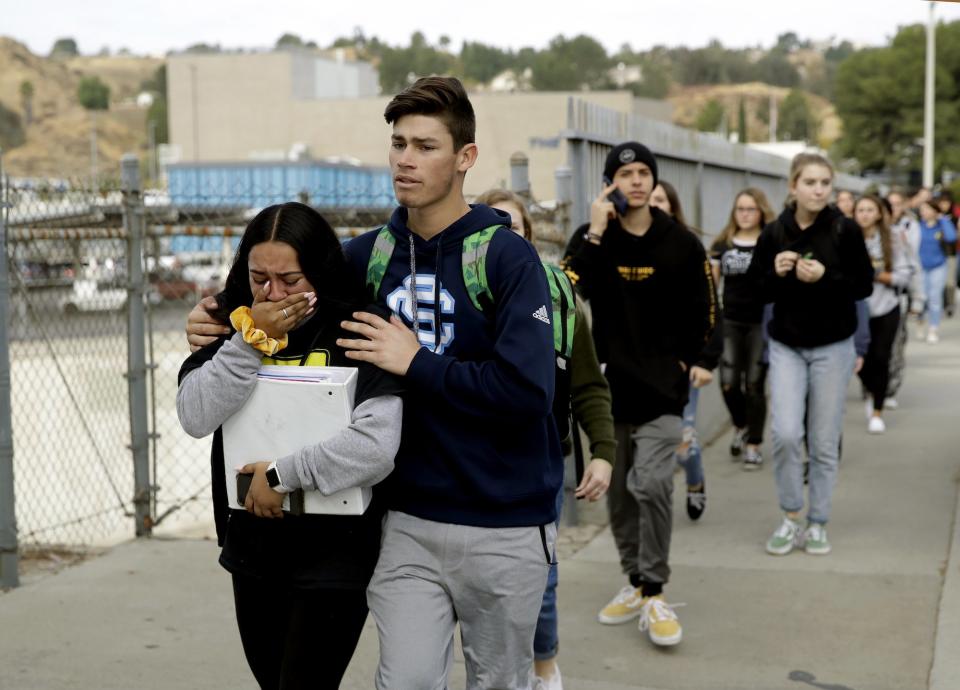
{"type": "Point", "coordinates": [624, 607]}
{"type": "Point", "coordinates": [660, 622]}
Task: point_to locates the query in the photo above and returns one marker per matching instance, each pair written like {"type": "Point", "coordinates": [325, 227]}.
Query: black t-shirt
{"type": "Point", "coordinates": [742, 301]}
{"type": "Point", "coordinates": [306, 550]}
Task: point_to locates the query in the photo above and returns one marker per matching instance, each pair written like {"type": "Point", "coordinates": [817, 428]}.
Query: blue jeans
{"type": "Point", "coordinates": [820, 374]}
{"type": "Point", "coordinates": [546, 640]}
{"type": "Point", "coordinates": [934, 280]}
{"type": "Point", "coordinates": [692, 460]}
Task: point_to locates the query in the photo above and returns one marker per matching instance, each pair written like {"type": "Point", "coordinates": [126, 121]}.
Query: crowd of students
{"type": "Point", "coordinates": [473, 355]}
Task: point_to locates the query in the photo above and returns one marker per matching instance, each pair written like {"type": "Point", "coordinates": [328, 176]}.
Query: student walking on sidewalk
{"type": "Point", "coordinates": [743, 371]}
{"type": "Point", "coordinates": [907, 231]}
{"type": "Point", "coordinates": [811, 263]}
{"type": "Point", "coordinates": [580, 386]}
{"type": "Point", "coordinates": [689, 454]}
{"type": "Point", "coordinates": [647, 279]}
{"type": "Point", "coordinates": [937, 234]}
{"type": "Point", "coordinates": [891, 274]}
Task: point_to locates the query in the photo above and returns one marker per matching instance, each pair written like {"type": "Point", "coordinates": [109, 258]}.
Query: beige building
{"type": "Point", "coordinates": [243, 107]}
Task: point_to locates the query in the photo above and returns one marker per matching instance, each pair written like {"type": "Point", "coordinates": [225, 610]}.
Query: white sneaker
{"type": "Point", "coordinates": [786, 537]}
{"type": "Point", "coordinates": [815, 540]}
{"type": "Point", "coordinates": [890, 404]}
{"type": "Point", "coordinates": [932, 337]}
{"type": "Point", "coordinates": [554, 682]}
{"type": "Point", "coordinates": [868, 408]}
{"type": "Point", "coordinates": [876, 425]}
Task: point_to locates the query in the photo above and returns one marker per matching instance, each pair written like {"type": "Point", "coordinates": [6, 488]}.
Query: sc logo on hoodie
{"type": "Point", "coordinates": [400, 302]}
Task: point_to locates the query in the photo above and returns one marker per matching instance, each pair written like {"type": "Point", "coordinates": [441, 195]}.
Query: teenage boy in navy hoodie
{"type": "Point", "coordinates": [470, 533]}
{"type": "Point", "coordinates": [654, 308]}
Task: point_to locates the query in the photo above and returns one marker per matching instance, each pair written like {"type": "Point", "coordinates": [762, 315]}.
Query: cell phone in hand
{"type": "Point", "coordinates": [616, 197]}
{"type": "Point", "coordinates": [243, 486]}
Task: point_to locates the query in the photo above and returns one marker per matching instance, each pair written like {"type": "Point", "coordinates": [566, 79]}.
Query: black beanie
{"type": "Point", "coordinates": [626, 153]}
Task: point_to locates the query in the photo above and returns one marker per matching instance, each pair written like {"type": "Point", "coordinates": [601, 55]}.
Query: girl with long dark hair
{"type": "Point", "coordinates": [891, 274]}
{"type": "Point", "coordinates": [299, 582]}
{"type": "Point", "coordinates": [743, 371]}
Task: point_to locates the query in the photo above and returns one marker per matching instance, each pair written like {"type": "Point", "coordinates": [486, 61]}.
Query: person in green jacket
{"type": "Point", "coordinates": [589, 397]}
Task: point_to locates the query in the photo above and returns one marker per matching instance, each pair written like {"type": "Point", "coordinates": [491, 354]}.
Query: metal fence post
{"type": "Point", "coordinates": [520, 174]}
{"type": "Point", "coordinates": [563, 183]}
{"type": "Point", "coordinates": [9, 560]}
{"type": "Point", "coordinates": [133, 222]}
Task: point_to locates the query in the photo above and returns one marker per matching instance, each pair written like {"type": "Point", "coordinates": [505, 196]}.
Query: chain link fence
{"type": "Point", "coordinates": [95, 293]}
{"type": "Point", "coordinates": [67, 341]}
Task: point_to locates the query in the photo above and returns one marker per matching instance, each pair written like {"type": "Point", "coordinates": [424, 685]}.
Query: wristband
{"type": "Point", "coordinates": [592, 237]}
{"type": "Point", "coordinates": [242, 320]}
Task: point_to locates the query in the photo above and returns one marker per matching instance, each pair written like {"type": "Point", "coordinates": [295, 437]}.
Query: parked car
{"type": "Point", "coordinates": [87, 296]}
{"type": "Point", "coordinates": [170, 285]}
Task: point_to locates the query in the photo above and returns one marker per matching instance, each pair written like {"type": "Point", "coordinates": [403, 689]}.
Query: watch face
{"type": "Point", "coordinates": [273, 477]}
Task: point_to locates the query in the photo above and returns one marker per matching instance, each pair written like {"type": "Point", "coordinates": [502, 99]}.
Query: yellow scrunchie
{"type": "Point", "coordinates": [242, 320]}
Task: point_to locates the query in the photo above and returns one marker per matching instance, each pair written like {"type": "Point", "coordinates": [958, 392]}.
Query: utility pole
{"type": "Point", "coordinates": [929, 99]}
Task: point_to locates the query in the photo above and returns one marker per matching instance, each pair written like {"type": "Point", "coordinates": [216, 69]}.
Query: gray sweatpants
{"type": "Point", "coordinates": [640, 498]}
{"type": "Point", "coordinates": [432, 575]}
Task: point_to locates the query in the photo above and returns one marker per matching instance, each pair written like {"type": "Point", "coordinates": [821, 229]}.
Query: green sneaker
{"type": "Point", "coordinates": [785, 538]}
{"type": "Point", "coordinates": [815, 540]}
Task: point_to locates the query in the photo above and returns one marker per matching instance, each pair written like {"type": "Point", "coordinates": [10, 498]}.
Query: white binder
{"type": "Point", "coordinates": [292, 407]}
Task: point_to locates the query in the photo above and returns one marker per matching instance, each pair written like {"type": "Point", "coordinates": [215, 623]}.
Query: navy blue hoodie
{"type": "Point", "coordinates": [479, 443]}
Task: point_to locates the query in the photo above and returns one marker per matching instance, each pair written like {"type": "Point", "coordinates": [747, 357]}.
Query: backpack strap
{"type": "Point", "coordinates": [379, 259]}
{"type": "Point", "coordinates": [474, 264]}
{"type": "Point", "coordinates": [564, 309]}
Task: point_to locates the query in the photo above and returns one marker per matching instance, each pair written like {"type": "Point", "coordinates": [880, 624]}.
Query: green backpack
{"type": "Point", "coordinates": [474, 264]}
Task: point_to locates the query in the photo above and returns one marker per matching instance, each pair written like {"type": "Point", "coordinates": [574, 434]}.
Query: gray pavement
{"type": "Point", "coordinates": [882, 612]}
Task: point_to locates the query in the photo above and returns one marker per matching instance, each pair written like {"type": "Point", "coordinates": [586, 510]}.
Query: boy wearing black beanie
{"type": "Point", "coordinates": [647, 279]}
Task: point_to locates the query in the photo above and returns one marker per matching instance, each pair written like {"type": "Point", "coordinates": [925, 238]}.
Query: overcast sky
{"type": "Point", "coordinates": [156, 26]}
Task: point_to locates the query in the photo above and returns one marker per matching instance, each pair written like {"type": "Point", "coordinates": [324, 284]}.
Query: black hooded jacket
{"type": "Point", "coordinates": [820, 313]}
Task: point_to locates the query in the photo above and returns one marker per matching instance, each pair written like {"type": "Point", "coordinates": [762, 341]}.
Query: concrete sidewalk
{"type": "Point", "coordinates": [882, 612]}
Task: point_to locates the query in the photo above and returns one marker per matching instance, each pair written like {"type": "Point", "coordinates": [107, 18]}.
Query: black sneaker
{"type": "Point", "coordinates": [752, 460]}
{"type": "Point", "coordinates": [738, 442]}
{"type": "Point", "coordinates": [696, 501]}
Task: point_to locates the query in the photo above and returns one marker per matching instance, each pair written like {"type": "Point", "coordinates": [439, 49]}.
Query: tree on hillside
{"type": "Point", "coordinates": [713, 64]}
{"type": "Point", "coordinates": [481, 63]}
{"type": "Point", "coordinates": [11, 130]}
{"type": "Point", "coordinates": [203, 48]}
{"type": "Point", "coordinates": [795, 120]}
{"type": "Point", "coordinates": [711, 117]}
{"type": "Point", "coordinates": [571, 64]}
{"type": "Point", "coordinates": [26, 99]}
{"type": "Point", "coordinates": [157, 113]}
{"type": "Point", "coordinates": [774, 68]}
{"type": "Point", "coordinates": [400, 66]}
{"type": "Point", "coordinates": [64, 48]}
{"type": "Point", "coordinates": [289, 41]}
{"type": "Point", "coordinates": [93, 95]}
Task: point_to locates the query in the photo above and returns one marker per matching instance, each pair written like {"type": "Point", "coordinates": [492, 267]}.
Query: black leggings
{"type": "Point", "coordinates": [742, 377]}
{"type": "Point", "coordinates": [875, 373]}
{"type": "Point", "coordinates": [297, 638]}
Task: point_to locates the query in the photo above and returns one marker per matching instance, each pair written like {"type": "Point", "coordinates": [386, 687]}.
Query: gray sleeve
{"type": "Point", "coordinates": [902, 269]}
{"type": "Point", "coordinates": [360, 455]}
{"type": "Point", "coordinates": [208, 396]}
